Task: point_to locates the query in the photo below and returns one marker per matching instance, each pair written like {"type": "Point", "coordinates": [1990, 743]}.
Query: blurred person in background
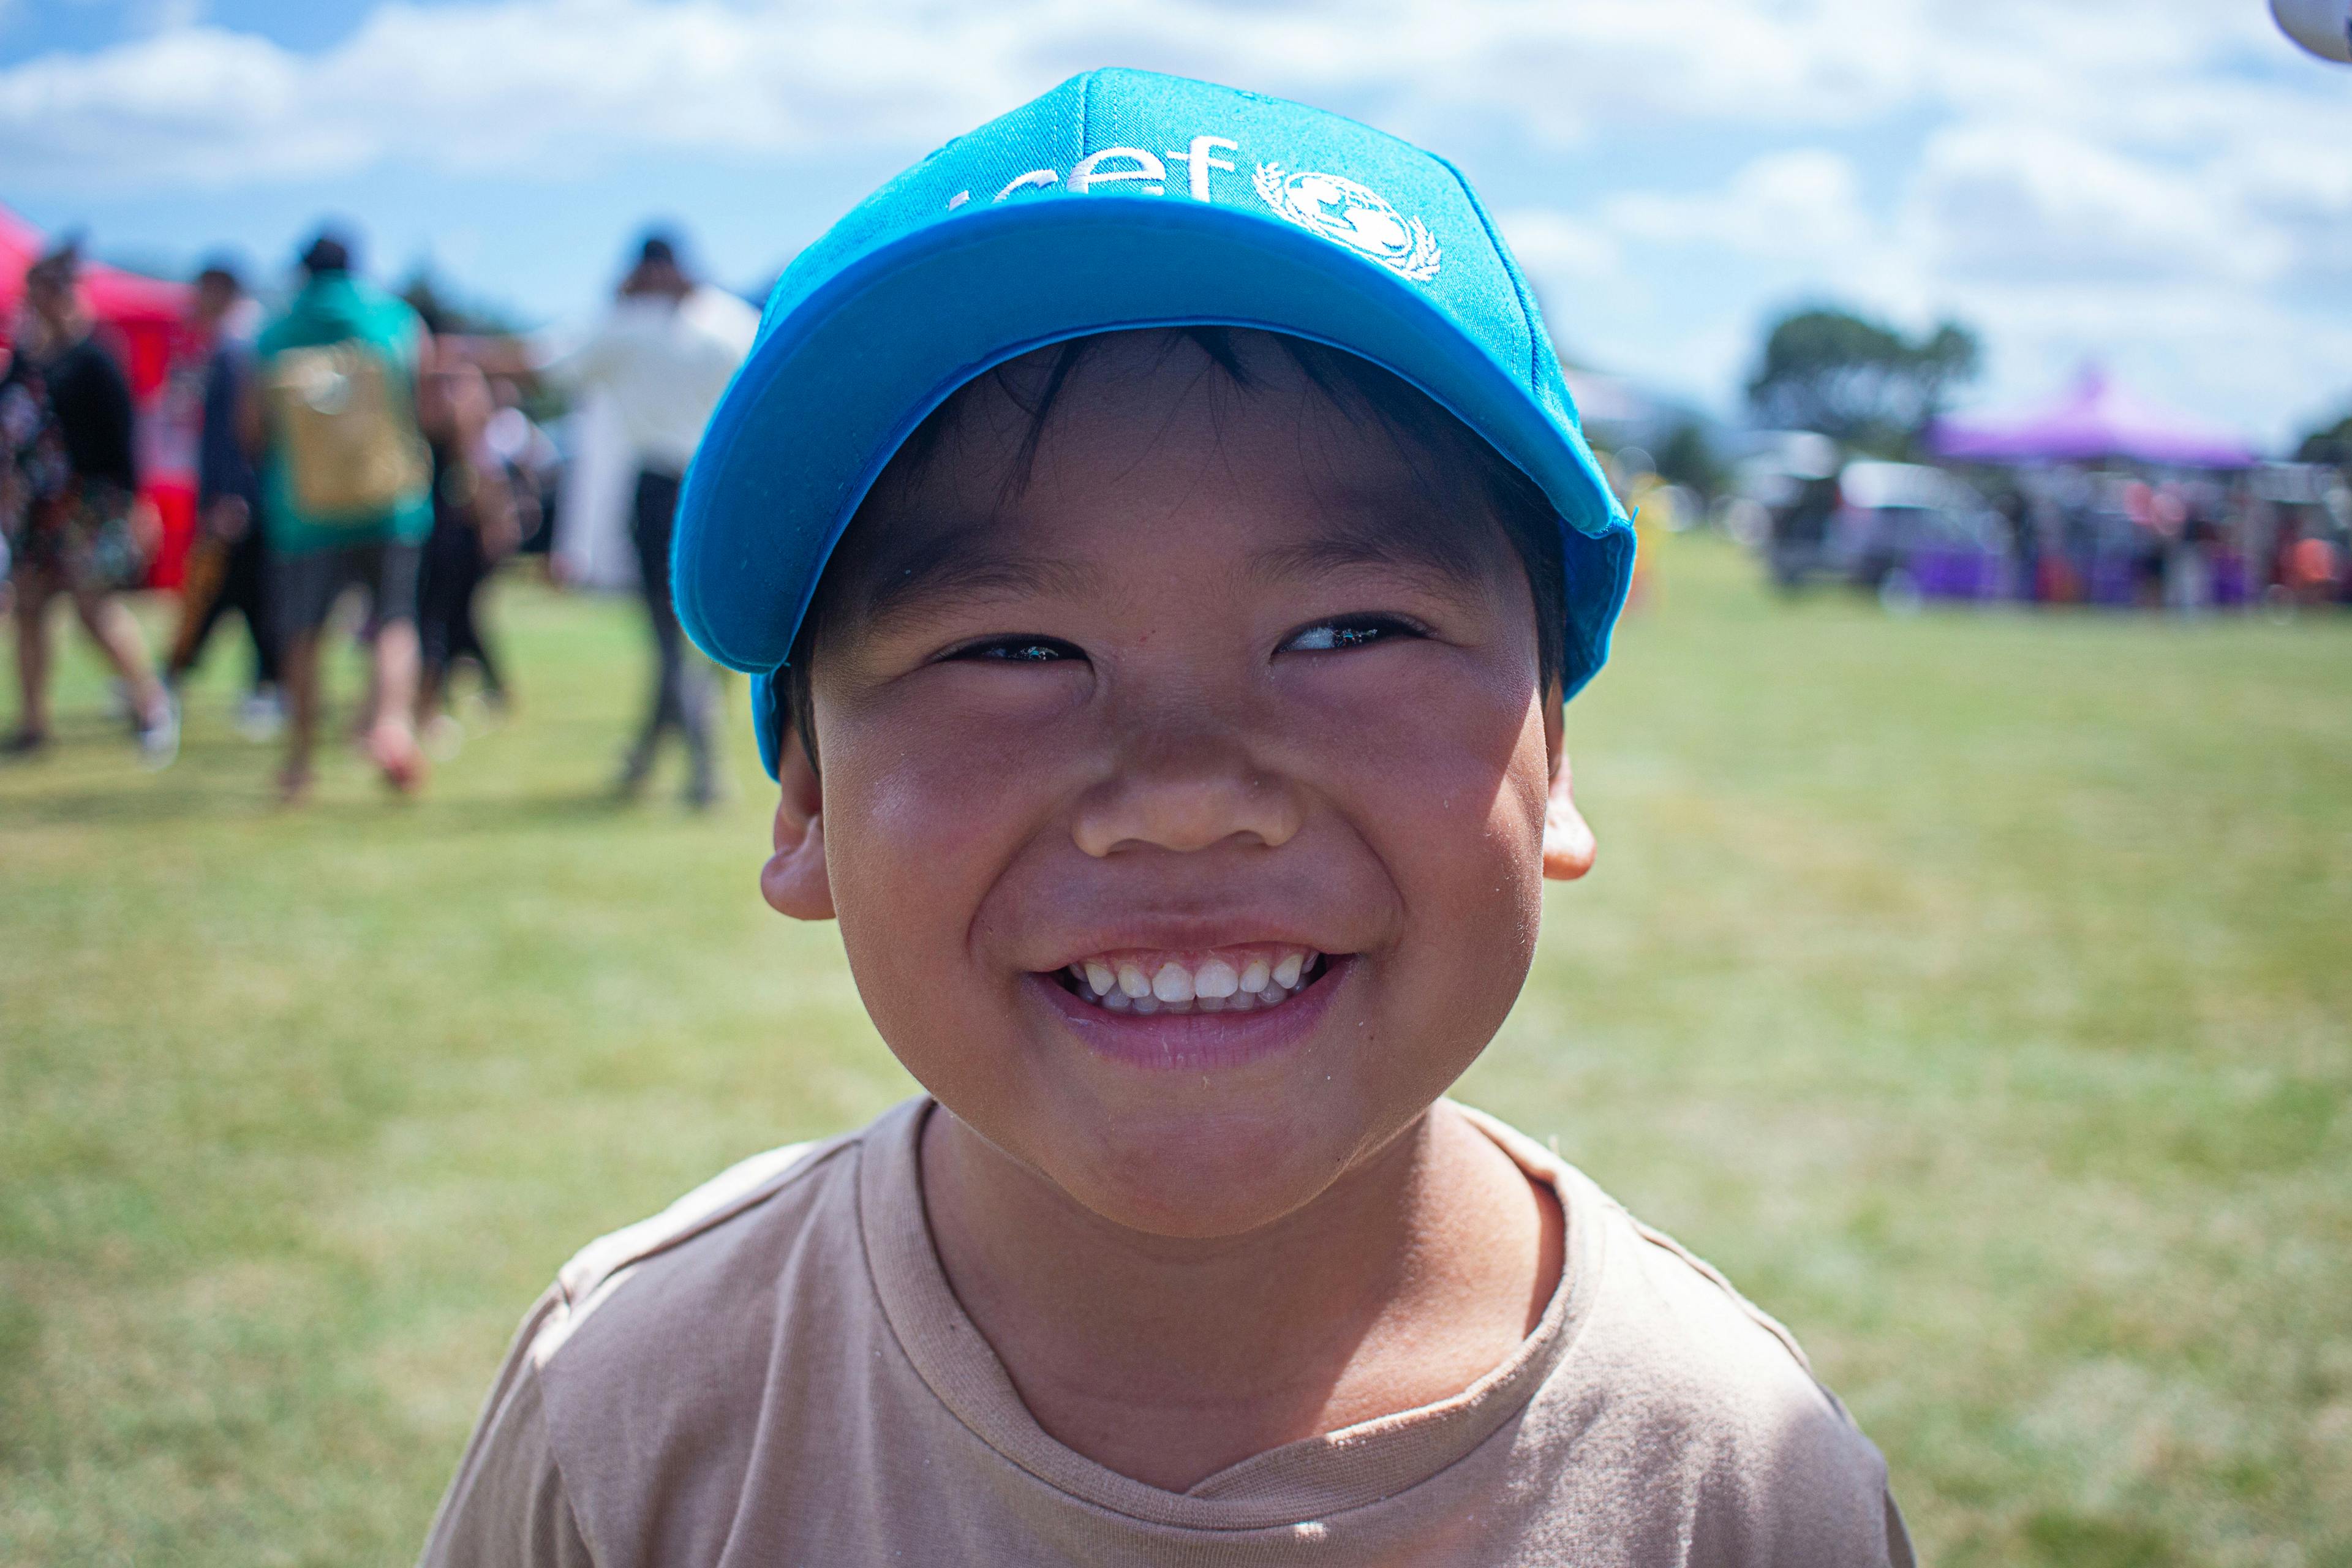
{"type": "Point", "coordinates": [665, 353]}
{"type": "Point", "coordinates": [347, 496]}
{"type": "Point", "coordinates": [530, 460]}
{"type": "Point", "coordinates": [474, 527]}
{"type": "Point", "coordinates": [72, 480]}
{"type": "Point", "coordinates": [2187, 572]}
{"type": "Point", "coordinates": [228, 566]}
{"type": "Point", "coordinates": [2313, 570]}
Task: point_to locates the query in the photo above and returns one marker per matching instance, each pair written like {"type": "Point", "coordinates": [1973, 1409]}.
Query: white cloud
{"type": "Point", "coordinates": [2184, 274]}
{"type": "Point", "coordinates": [493, 85]}
{"type": "Point", "coordinates": [510, 81]}
{"type": "Point", "coordinates": [1804, 204]}
{"type": "Point", "coordinates": [1555, 245]}
{"type": "Point", "coordinates": [2027, 163]}
{"type": "Point", "coordinates": [2031, 201]}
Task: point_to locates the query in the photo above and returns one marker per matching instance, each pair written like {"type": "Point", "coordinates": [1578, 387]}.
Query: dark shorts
{"type": "Point", "coordinates": [306, 583]}
{"type": "Point", "coordinates": [82, 541]}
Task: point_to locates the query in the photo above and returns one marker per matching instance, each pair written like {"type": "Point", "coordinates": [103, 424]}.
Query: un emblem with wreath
{"type": "Point", "coordinates": [1351, 215]}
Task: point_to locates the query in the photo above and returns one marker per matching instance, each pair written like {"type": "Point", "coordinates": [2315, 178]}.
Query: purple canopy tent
{"type": "Point", "coordinates": [2095, 421]}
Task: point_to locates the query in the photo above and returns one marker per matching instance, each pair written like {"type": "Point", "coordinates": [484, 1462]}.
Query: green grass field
{"type": "Point", "coordinates": [1976, 990]}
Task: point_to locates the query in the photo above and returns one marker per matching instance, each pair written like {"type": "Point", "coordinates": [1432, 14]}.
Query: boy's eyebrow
{"type": "Point", "coordinates": [1383, 535]}
{"type": "Point", "coordinates": [962, 562]}
{"type": "Point", "coordinates": [919, 568]}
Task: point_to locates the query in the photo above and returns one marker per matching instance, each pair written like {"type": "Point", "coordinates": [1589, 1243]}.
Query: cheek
{"type": "Point", "coordinates": [1454, 780]}
{"type": "Point", "coordinates": [1453, 748]}
{"type": "Point", "coordinates": [940, 775]}
{"type": "Point", "coordinates": [921, 814]}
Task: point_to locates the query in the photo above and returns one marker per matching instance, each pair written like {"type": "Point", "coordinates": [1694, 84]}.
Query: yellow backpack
{"type": "Point", "coordinates": [349, 450]}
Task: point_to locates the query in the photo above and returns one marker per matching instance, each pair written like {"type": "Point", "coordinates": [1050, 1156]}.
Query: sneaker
{"type": "Point", "coordinates": [260, 715]}
{"type": "Point", "coordinates": [159, 739]}
{"type": "Point", "coordinates": [24, 743]}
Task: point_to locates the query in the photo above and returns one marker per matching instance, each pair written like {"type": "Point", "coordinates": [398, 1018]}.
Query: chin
{"type": "Point", "coordinates": [1205, 1158]}
{"type": "Point", "coordinates": [1204, 1177]}
{"type": "Point", "coordinates": [1202, 1127]}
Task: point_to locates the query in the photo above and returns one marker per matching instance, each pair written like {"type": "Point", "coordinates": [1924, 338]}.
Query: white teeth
{"type": "Point", "coordinates": [1215, 984]}
{"type": "Point", "coordinates": [1216, 979]}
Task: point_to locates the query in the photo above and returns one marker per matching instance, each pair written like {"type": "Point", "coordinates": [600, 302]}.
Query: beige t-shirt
{"type": "Point", "coordinates": [774, 1372]}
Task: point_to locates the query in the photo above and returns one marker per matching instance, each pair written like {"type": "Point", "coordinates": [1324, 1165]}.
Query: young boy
{"type": "Point", "coordinates": [1163, 547]}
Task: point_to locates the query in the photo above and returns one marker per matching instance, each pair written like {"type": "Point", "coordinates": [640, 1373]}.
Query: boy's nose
{"type": "Point", "coordinates": [1185, 798]}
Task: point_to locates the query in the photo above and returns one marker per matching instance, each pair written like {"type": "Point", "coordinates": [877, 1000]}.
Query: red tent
{"type": "Point", "coordinates": [145, 320]}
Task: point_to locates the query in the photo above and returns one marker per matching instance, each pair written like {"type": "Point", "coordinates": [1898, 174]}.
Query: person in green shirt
{"type": "Point", "coordinates": [347, 493]}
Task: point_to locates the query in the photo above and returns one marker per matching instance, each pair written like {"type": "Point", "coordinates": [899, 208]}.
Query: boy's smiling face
{"type": "Point", "coordinates": [1216, 708]}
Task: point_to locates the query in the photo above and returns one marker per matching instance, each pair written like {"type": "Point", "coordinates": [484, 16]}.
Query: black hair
{"type": "Point", "coordinates": [329, 252]}
{"type": "Point", "coordinates": [658, 246]}
{"type": "Point", "coordinates": [1464, 477]}
{"type": "Point", "coordinates": [60, 265]}
{"type": "Point", "coordinates": [222, 271]}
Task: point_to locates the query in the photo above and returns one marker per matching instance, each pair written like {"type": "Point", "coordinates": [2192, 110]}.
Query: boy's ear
{"type": "Point", "coordinates": [1568, 843]}
{"type": "Point", "coordinates": [794, 881]}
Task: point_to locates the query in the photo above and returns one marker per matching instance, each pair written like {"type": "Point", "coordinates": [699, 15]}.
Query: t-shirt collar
{"type": "Point", "coordinates": [1312, 1478]}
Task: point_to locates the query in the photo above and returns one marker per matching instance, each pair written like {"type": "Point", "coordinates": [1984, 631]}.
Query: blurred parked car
{"type": "Point", "coordinates": [1906, 531]}
{"type": "Point", "coordinates": [1784, 494]}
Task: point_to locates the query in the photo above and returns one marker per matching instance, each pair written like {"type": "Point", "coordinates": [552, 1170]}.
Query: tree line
{"type": "Point", "coordinates": [1875, 390]}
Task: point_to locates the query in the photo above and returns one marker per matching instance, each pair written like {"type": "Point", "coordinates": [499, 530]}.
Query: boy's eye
{"type": "Point", "coordinates": [1016, 650]}
{"type": "Point", "coordinates": [1342, 632]}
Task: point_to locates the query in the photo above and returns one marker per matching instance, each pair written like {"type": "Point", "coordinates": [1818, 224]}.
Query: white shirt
{"type": "Point", "coordinates": [665, 365]}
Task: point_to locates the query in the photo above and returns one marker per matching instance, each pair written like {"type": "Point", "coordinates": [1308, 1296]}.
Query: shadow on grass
{"type": "Point", "coordinates": [231, 783]}
{"type": "Point", "coordinates": [2079, 1540]}
{"type": "Point", "coordinates": [560, 809]}
{"type": "Point", "coordinates": [133, 799]}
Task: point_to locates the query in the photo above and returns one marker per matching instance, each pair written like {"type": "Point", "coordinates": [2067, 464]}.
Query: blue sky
{"type": "Point", "coordinates": [2161, 184]}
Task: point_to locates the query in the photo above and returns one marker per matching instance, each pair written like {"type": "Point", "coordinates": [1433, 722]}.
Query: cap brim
{"type": "Point", "coordinates": [831, 391]}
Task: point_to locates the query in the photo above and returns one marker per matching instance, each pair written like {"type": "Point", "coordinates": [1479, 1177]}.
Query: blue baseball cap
{"type": "Point", "coordinates": [1121, 199]}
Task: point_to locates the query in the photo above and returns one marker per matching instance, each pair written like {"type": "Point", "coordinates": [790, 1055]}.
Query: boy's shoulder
{"type": "Point", "coordinates": [1676, 1334]}
{"type": "Point", "coordinates": [1672, 1384]}
{"type": "Point", "coordinates": [1654, 1323]}
{"type": "Point", "coordinates": [741, 1359]}
{"type": "Point", "coordinates": [788, 1178]}
{"type": "Point", "coordinates": [637, 1353]}
{"type": "Point", "coordinates": [695, 1280]}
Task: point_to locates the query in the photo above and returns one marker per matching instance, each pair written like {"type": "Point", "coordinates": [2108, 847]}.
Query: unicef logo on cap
{"type": "Point", "coordinates": [1349, 214]}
